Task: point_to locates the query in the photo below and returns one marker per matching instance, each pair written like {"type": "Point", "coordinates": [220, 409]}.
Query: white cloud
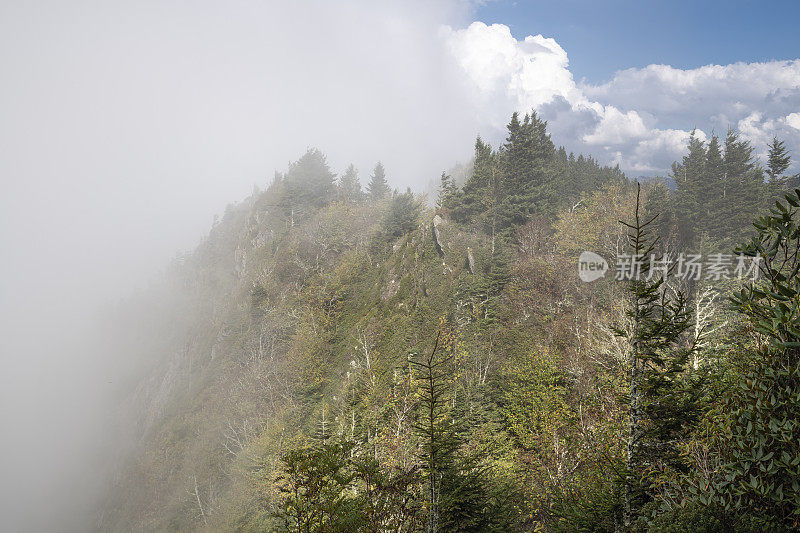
{"type": "Point", "coordinates": [616, 127]}
{"type": "Point", "coordinates": [793, 120]}
{"type": "Point", "coordinates": [641, 118]}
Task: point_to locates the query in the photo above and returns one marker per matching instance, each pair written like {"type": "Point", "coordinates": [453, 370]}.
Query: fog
{"type": "Point", "coordinates": [124, 128]}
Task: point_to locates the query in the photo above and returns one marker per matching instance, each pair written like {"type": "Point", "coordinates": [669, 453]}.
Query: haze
{"type": "Point", "coordinates": [125, 128]}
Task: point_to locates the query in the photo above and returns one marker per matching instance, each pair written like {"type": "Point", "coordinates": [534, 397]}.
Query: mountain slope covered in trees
{"type": "Point", "coordinates": [333, 359]}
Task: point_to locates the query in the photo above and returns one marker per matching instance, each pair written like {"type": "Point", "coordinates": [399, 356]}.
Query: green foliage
{"type": "Point", "coordinates": [296, 304]}
{"type": "Point", "coordinates": [460, 496]}
{"type": "Point", "coordinates": [350, 187]}
{"type": "Point", "coordinates": [719, 191]}
{"type": "Point", "coordinates": [307, 185]}
{"type": "Point", "coordinates": [662, 397]}
{"type": "Point", "coordinates": [690, 196]}
{"type": "Point", "coordinates": [699, 518]}
{"type": "Point", "coordinates": [762, 473]}
{"type": "Point", "coordinates": [778, 162]}
{"type": "Point", "coordinates": [481, 190]}
{"type": "Point", "coordinates": [535, 405]}
{"type": "Point", "coordinates": [332, 487]}
{"type": "Point", "coordinates": [402, 216]}
{"type": "Point", "coordinates": [315, 483]}
{"type": "Point", "coordinates": [378, 188]}
{"type": "Point", "coordinates": [594, 507]}
{"type": "Point", "coordinates": [447, 192]}
{"type": "Point", "coordinates": [527, 185]}
{"type": "Point", "coordinates": [527, 176]}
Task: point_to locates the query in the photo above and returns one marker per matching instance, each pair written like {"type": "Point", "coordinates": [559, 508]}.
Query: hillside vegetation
{"type": "Point", "coordinates": [332, 359]}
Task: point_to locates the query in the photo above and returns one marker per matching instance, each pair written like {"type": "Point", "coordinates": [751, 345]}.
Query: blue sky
{"type": "Point", "coordinates": [602, 37]}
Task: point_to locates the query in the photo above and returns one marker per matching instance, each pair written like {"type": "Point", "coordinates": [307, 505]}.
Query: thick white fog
{"type": "Point", "coordinates": [124, 127]}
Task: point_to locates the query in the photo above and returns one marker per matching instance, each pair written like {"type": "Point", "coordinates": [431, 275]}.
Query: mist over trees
{"type": "Point", "coordinates": [353, 360]}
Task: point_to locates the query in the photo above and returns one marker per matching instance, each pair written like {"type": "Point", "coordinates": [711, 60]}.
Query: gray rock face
{"type": "Point", "coordinates": [437, 221]}
{"type": "Point", "coordinates": [470, 261]}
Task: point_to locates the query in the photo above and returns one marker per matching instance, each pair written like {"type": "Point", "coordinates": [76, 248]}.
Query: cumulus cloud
{"type": "Point", "coordinates": [793, 120]}
{"type": "Point", "coordinates": [641, 118]}
{"type": "Point", "coordinates": [527, 73]}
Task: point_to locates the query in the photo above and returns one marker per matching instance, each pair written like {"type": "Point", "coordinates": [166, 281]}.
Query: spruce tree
{"type": "Point", "coordinates": [778, 162]}
{"type": "Point", "coordinates": [350, 186]}
{"type": "Point", "coordinates": [528, 185]}
{"type": "Point", "coordinates": [713, 187]}
{"type": "Point", "coordinates": [741, 194]}
{"type": "Point", "coordinates": [402, 216]}
{"type": "Point", "coordinates": [308, 185]}
{"type": "Point", "coordinates": [378, 187]}
{"type": "Point", "coordinates": [478, 194]}
{"type": "Point", "coordinates": [662, 399]}
{"type": "Point", "coordinates": [688, 177]}
{"type": "Point", "coordinates": [447, 192]}
{"type": "Point", "coordinates": [460, 497]}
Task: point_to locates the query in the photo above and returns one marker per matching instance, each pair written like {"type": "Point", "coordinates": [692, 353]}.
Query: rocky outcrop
{"type": "Point", "coordinates": [470, 261]}
{"type": "Point", "coordinates": [437, 221]}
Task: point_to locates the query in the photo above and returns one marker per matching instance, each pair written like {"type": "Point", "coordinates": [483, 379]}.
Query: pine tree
{"type": "Point", "coordinates": [448, 192]}
{"type": "Point", "coordinates": [378, 187]}
{"type": "Point", "coordinates": [778, 162]}
{"type": "Point", "coordinates": [741, 195]}
{"type": "Point", "coordinates": [308, 185]}
{"type": "Point", "coordinates": [528, 185]}
{"type": "Point", "coordinates": [350, 186]}
{"type": "Point", "coordinates": [460, 497]}
{"type": "Point", "coordinates": [662, 402]}
{"type": "Point", "coordinates": [688, 177]}
{"type": "Point", "coordinates": [403, 215]}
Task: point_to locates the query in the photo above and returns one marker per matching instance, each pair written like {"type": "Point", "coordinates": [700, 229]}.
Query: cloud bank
{"type": "Point", "coordinates": [641, 118]}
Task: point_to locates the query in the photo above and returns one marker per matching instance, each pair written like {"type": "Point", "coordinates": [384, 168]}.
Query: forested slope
{"type": "Point", "coordinates": [336, 360]}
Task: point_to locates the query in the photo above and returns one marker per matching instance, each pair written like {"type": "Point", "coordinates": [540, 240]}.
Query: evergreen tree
{"type": "Point", "coordinates": [662, 400]}
{"type": "Point", "coordinates": [308, 185]}
{"type": "Point", "coordinates": [714, 186]}
{"type": "Point", "coordinates": [433, 422]}
{"type": "Point", "coordinates": [778, 162]}
{"type": "Point", "coordinates": [350, 186]}
{"type": "Point", "coordinates": [569, 189]}
{"type": "Point", "coordinates": [378, 187]}
{"type": "Point", "coordinates": [402, 216]}
{"type": "Point", "coordinates": [526, 176]}
{"type": "Point", "coordinates": [527, 185]}
{"type": "Point", "coordinates": [690, 193]}
{"type": "Point", "coordinates": [741, 195]}
{"type": "Point", "coordinates": [478, 195]}
{"type": "Point", "coordinates": [448, 192]}
{"type": "Point", "coordinates": [460, 497]}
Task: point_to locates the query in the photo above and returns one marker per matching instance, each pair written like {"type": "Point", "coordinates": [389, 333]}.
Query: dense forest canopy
{"type": "Point", "coordinates": [348, 359]}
